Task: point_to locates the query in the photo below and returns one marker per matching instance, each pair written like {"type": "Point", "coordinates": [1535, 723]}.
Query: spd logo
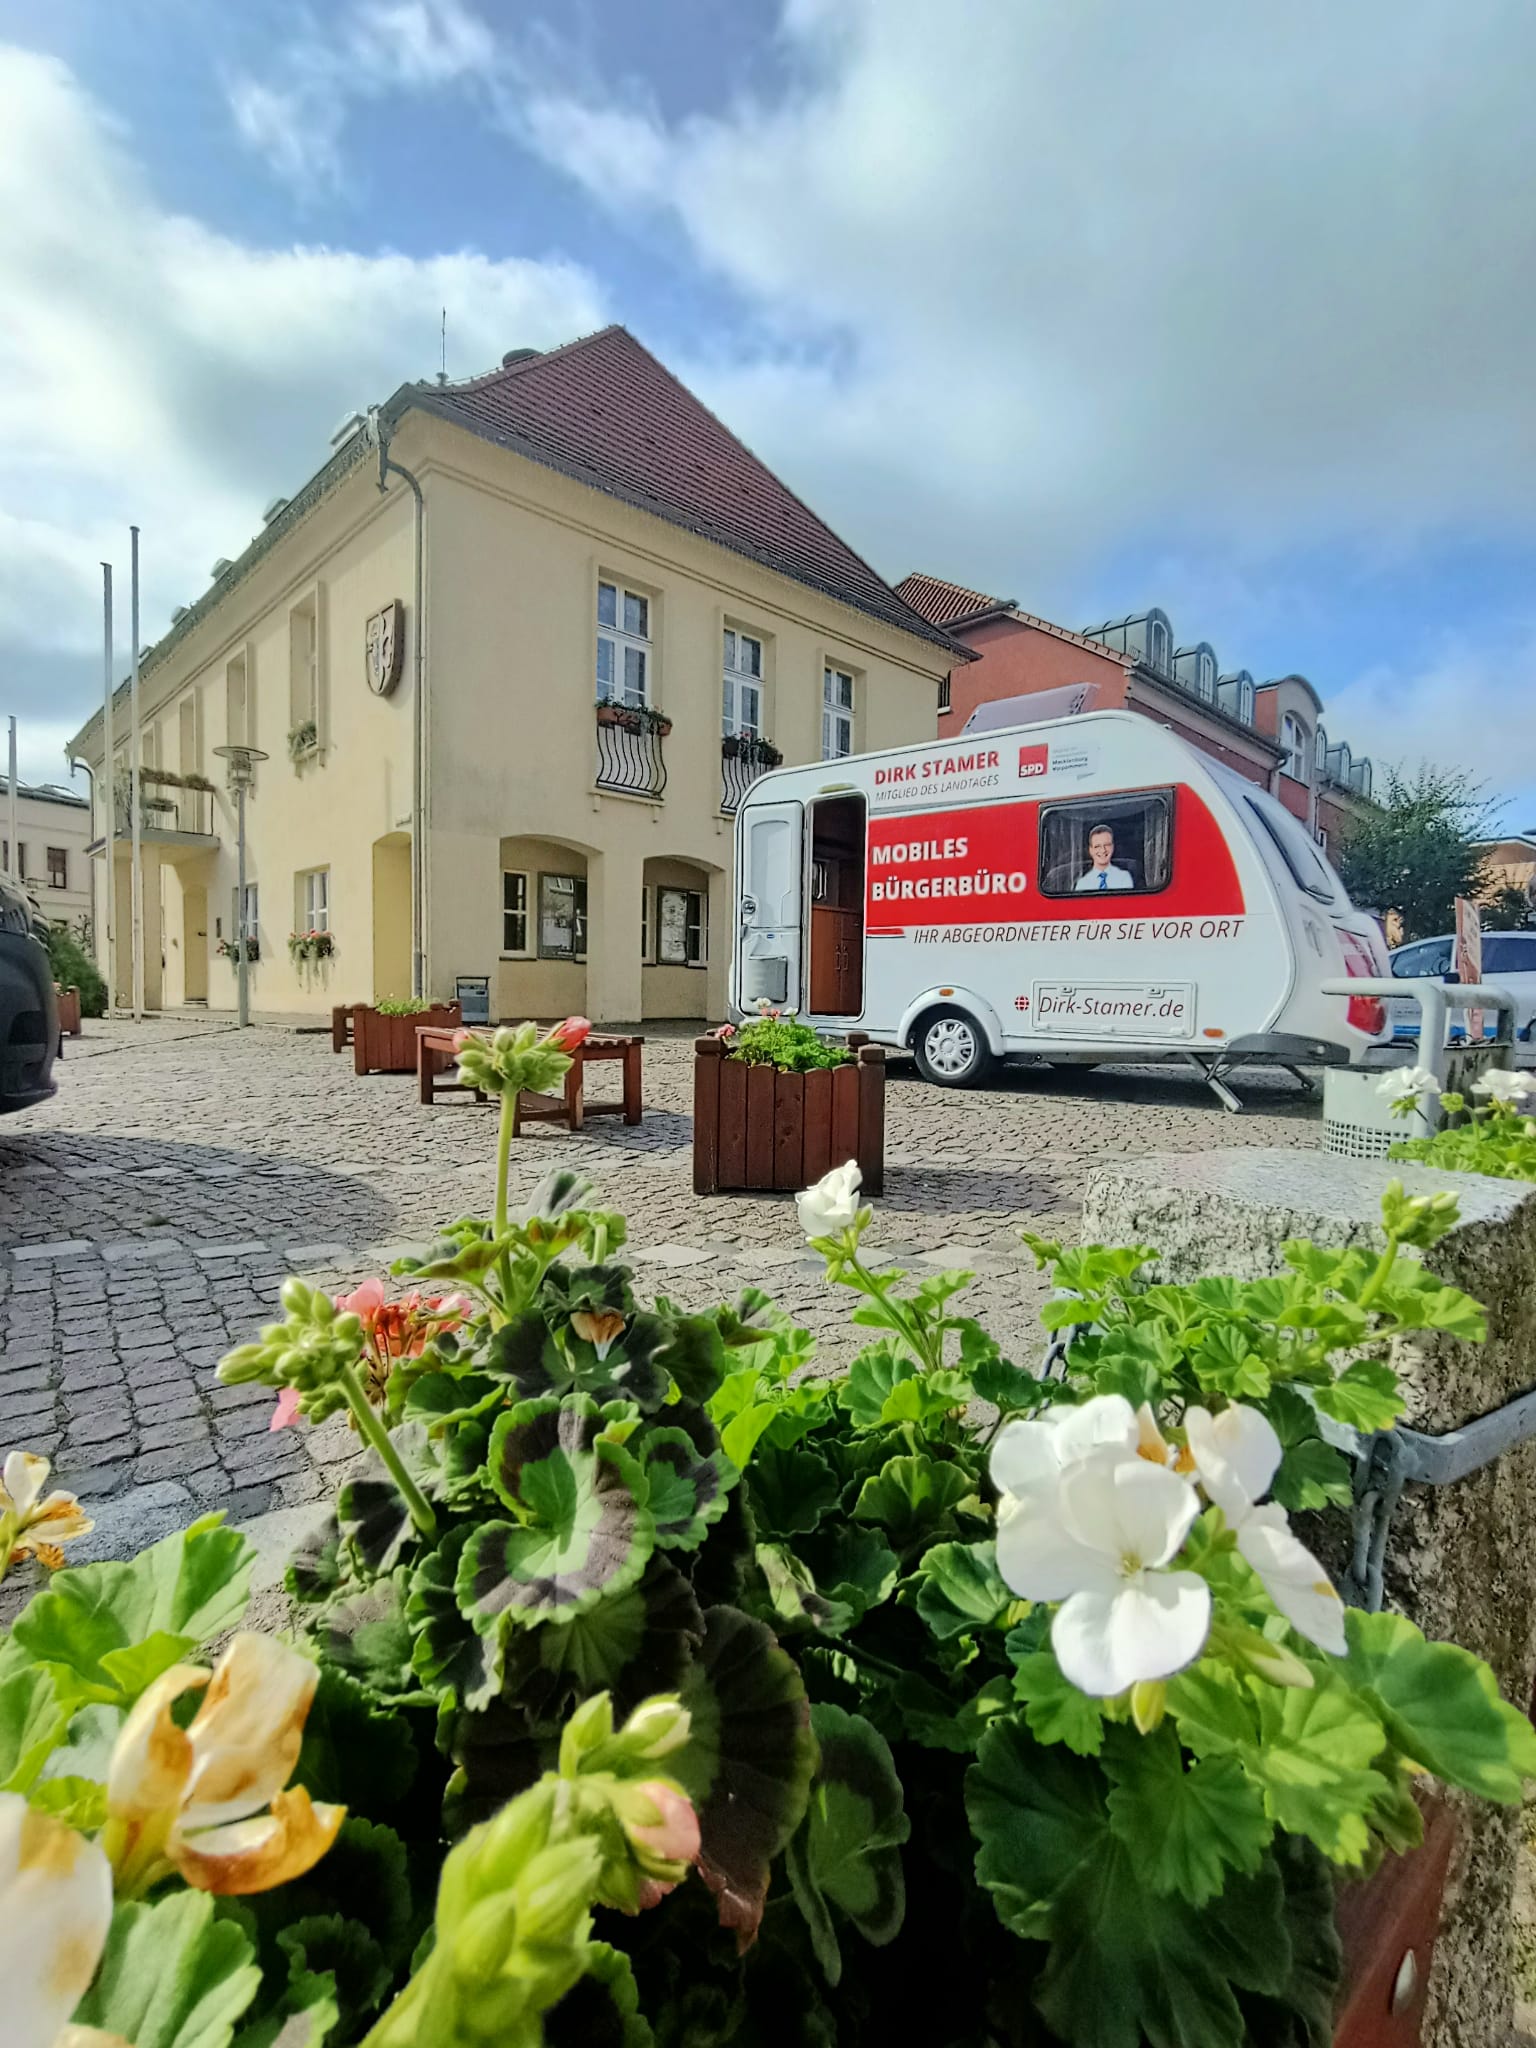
{"type": "Point", "coordinates": [1033, 761]}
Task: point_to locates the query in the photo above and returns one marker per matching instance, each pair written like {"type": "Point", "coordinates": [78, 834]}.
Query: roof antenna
{"type": "Point", "coordinates": [442, 368]}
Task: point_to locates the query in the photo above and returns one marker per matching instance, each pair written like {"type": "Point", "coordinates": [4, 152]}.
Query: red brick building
{"type": "Point", "coordinates": [1270, 732]}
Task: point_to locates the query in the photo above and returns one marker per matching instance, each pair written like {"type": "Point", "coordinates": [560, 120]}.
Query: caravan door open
{"type": "Point", "coordinates": [770, 949]}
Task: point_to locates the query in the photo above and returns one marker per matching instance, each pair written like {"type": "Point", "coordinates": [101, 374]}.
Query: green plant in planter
{"type": "Point", "coordinates": [776, 1038]}
{"type": "Point", "coordinates": [305, 948]}
{"type": "Point", "coordinates": [1496, 1137]}
{"type": "Point", "coordinates": [1062, 1698]}
{"type": "Point", "coordinates": [303, 741]}
{"type": "Point", "coordinates": [401, 1006]}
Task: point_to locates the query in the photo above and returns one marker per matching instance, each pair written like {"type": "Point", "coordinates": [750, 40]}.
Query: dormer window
{"type": "Point", "coordinates": [1293, 737]}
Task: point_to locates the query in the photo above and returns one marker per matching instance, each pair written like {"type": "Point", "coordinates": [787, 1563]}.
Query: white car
{"type": "Point", "coordinates": [1509, 959]}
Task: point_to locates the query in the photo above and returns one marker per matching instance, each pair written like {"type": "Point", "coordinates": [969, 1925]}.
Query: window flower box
{"type": "Point", "coordinates": [634, 718]}
{"type": "Point", "coordinates": [306, 947]}
{"type": "Point", "coordinates": [230, 948]}
{"type": "Point", "coordinates": [384, 1042]}
{"type": "Point", "coordinates": [760, 1128]}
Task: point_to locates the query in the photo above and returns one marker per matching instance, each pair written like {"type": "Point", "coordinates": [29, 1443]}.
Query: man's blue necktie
{"type": "Point", "coordinates": [1103, 878]}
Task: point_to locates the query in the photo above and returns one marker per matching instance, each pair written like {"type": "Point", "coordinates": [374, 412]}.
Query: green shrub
{"type": "Point", "coordinates": [73, 967]}
{"type": "Point", "coordinates": [778, 1039]}
{"type": "Point", "coordinates": [401, 1006]}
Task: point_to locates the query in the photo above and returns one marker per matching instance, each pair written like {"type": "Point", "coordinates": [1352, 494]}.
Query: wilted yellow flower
{"type": "Point", "coordinates": [55, 1909]}
{"type": "Point", "coordinates": [208, 1801]}
{"type": "Point", "coordinates": [30, 1527]}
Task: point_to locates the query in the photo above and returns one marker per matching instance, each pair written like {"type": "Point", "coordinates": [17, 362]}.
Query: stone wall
{"type": "Point", "coordinates": [1461, 1559]}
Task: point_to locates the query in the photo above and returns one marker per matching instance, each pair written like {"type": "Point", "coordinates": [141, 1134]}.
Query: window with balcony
{"type": "Point", "coordinates": [741, 699]}
{"type": "Point", "coordinates": [562, 917]}
{"type": "Point", "coordinates": [836, 714]}
{"type": "Point", "coordinates": [58, 867]}
{"type": "Point", "coordinates": [514, 913]}
{"type": "Point", "coordinates": [625, 655]}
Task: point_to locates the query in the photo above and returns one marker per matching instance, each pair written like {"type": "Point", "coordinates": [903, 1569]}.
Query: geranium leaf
{"type": "Point", "coordinates": [1313, 1474]}
{"type": "Point", "coordinates": [926, 1397]}
{"type": "Point", "coordinates": [959, 1589]}
{"type": "Point", "coordinates": [1441, 1707]}
{"type": "Point", "coordinates": [1184, 1828]}
{"type": "Point", "coordinates": [366, 1635]}
{"type": "Point", "coordinates": [1365, 1395]}
{"type": "Point", "coordinates": [314, 1570]}
{"type": "Point", "coordinates": [793, 1602]}
{"type": "Point", "coordinates": [853, 1562]}
{"type": "Point", "coordinates": [847, 1851]}
{"type": "Point", "coordinates": [748, 1761]}
{"type": "Point", "coordinates": [912, 1498]}
{"type": "Point", "coordinates": [1215, 1715]}
{"type": "Point", "coordinates": [1126, 1965]}
{"type": "Point", "coordinates": [136, 1667]}
{"type": "Point", "coordinates": [496, 1755]}
{"type": "Point", "coordinates": [355, 1752]}
{"type": "Point", "coordinates": [687, 1482]}
{"type": "Point", "coordinates": [79, 1801]}
{"type": "Point", "coordinates": [1303, 2017]}
{"type": "Point", "coordinates": [1054, 1708]}
{"type": "Point", "coordinates": [450, 1655]}
{"type": "Point", "coordinates": [933, 1719]}
{"type": "Point", "coordinates": [194, 1585]}
{"type": "Point", "coordinates": [172, 1975]}
{"type": "Point", "coordinates": [335, 1945]}
{"type": "Point", "coordinates": [438, 1399]}
{"type": "Point", "coordinates": [790, 1490]}
{"type": "Point", "coordinates": [366, 1870]}
{"type": "Point", "coordinates": [1312, 1763]}
{"type": "Point", "coordinates": [374, 1516]}
{"type": "Point", "coordinates": [871, 1378]}
{"type": "Point", "coordinates": [32, 1724]}
{"type": "Point", "coordinates": [603, 2010]}
{"type": "Point", "coordinates": [631, 1644]}
{"type": "Point", "coordinates": [694, 1356]}
{"type": "Point", "coordinates": [306, 2017]}
{"type": "Point", "coordinates": [585, 1532]}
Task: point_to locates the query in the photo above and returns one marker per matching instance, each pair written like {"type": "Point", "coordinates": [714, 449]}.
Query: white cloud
{"type": "Point", "coordinates": [295, 118]}
{"type": "Point", "coordinates": [154, 370]}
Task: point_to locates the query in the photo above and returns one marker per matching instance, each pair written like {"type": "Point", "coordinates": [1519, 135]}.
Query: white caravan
{"type": "Point", "coordinates": [1080, 890]}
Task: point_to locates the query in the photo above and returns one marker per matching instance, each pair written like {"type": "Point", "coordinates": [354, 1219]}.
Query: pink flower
{"type": "Point", "coordinates": [569, 1034]}
{"type": "Point", "coordinates": [673, 1837]}
{"type": "Point", "coordinates": [723, 1031]}
{"type": "Point", "coordinates": [286, 1411]}
{"type": "Point", "coordinates": [365, 1300]}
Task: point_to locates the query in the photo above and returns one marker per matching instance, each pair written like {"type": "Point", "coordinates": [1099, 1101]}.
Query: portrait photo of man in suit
{"type": "Point", "coordinates": [1103, 874]}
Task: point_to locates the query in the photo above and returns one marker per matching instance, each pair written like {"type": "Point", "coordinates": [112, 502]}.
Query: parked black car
{"type": "Point", "coordinates": [29, 1013]}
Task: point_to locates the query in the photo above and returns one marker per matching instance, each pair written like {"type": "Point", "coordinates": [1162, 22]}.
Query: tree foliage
{"type": "Point", "coordinates": [1416, 852]}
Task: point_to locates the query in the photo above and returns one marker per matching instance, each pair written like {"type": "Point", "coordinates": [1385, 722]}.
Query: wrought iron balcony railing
{"type": "Point", "coordinates": [629, 749]}
{"type": "Point", "coordinates": [743, 757]}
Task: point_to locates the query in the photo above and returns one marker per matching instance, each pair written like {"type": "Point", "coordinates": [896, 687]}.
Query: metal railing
{"type": "Point", "coordinates": [163, 808]}
{"type": "Point", "coordinates": [629, 750]}
{"type": "Point", "coordinates": [744, 756]}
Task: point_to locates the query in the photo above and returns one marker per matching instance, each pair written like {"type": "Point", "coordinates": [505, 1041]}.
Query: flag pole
{"type": "Point", "coordinates": [134, 793]}
{"type": "Point", "coordinates": [109, 786]}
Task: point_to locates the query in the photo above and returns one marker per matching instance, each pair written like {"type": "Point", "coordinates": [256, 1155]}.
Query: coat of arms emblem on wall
{"type": "Point", "coordinates": [386, 647]}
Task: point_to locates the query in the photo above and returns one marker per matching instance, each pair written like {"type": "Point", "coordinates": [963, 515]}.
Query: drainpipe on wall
{"type": "Point", "coordinates": [387, 463]}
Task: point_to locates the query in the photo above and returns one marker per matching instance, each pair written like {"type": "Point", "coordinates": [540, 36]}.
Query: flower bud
{"type": "Point", "coordinates": [1149, 1703]}
{"type": "Point", "coordinates": [655, 1729]}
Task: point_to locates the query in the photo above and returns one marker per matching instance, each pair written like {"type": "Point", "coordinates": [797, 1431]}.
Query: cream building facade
{"type": "Point", "coordinates": [626, 616]}
{"type": "Point", "coordinates": [51, 858]}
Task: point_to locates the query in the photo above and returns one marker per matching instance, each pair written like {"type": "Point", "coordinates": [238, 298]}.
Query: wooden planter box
{"type": "Point", "coordinates": [387, 1045]}
{"type": "Point", "coordinates": [69, 1011]}
{"type": "Point", "coordinates": [1388, 1926]}
{"type": "Point", "coordinates": [754, 1127]}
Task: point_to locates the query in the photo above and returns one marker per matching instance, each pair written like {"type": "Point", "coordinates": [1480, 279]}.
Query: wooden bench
{"type": "Point", "coordinates": [436, 1054]}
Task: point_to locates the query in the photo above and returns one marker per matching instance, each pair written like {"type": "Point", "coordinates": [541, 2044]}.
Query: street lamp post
{"type": "Point", "coordinates": [242, 776]}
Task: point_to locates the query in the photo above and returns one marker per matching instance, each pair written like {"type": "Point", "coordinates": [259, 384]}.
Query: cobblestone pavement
{"type": "Point", "coordinates": [149, 1214]}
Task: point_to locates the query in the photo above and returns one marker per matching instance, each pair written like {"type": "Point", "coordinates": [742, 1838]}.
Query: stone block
{"type": "Point", "coordinates": [1458, 1557]}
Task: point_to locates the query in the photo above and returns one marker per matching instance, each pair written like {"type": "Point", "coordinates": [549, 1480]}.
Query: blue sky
{"type": "Point", "coordinates": [1092, 307]}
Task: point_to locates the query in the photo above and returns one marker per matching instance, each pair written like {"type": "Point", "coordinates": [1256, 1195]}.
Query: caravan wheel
{"type": "Point", "coordinates": [951, 1050]}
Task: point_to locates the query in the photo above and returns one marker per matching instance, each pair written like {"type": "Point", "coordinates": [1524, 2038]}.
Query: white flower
{"type": "Point", "coordinates": [1237, 1454]}
{"type": "Point", "coordinates": [31, 1523]}
{"type": "Point", "coordinates": [1401, 1081]}
{"type": "Point", "coordinates": [1029, 1458]}
{"type": "Point", "coordinates": [1503, 1084]}
{"type": "Point", "coordinates": [833, 1204]}
{"type": "Point", "coordinates": [1098, 1540]}
{"type": "Point", "coordinates": [55, 1909]}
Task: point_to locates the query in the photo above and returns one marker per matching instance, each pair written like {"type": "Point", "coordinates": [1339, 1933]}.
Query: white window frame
{"type": "Point", "coordinates": [239, 693]}
{"type": "Point", "coordinates": [315, 899]}
{"type": "Point", "coordinates": [741, 689]}
{"type": "Point", "coordinates": [838, 710]}
{"type": "Point", "coordinates": [694, 926]}
{"type": "Point", "coordinates": [252, 922]}
{"type": "Point", "coordinates": [645, 924]}
{"type": "Point", "coordinates": [61, 879]}
{"type": "Point", "coordinates": [620, 640]}
{"type": "Point", "coordinates": [1293, 737]}
{"type": "Point", "coordinates": [944, 693]}
{"type": "Point", "coordinates": [511, 911]}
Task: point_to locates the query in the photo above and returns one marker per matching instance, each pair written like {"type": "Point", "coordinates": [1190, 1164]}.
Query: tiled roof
{"type": "Point", "coordinates": [604, 411]}
{"type": "Point", "coordinates": [943, 603]}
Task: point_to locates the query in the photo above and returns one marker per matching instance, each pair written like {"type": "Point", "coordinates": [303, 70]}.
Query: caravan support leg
{"type": "Point", "coordinates": [1211, 1075]}
{"type": "Point", "coordinates": [1308, 1085]}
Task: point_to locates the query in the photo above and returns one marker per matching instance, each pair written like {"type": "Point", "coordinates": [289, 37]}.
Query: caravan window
{"type": "Point", "coordinates": [1102, 845]}
{"type": "Point", "coordinates": [1308, 869]}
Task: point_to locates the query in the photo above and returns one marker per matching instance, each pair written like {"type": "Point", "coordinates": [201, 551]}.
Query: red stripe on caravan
{"type": "Point", "coordinates": [980, 866]}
